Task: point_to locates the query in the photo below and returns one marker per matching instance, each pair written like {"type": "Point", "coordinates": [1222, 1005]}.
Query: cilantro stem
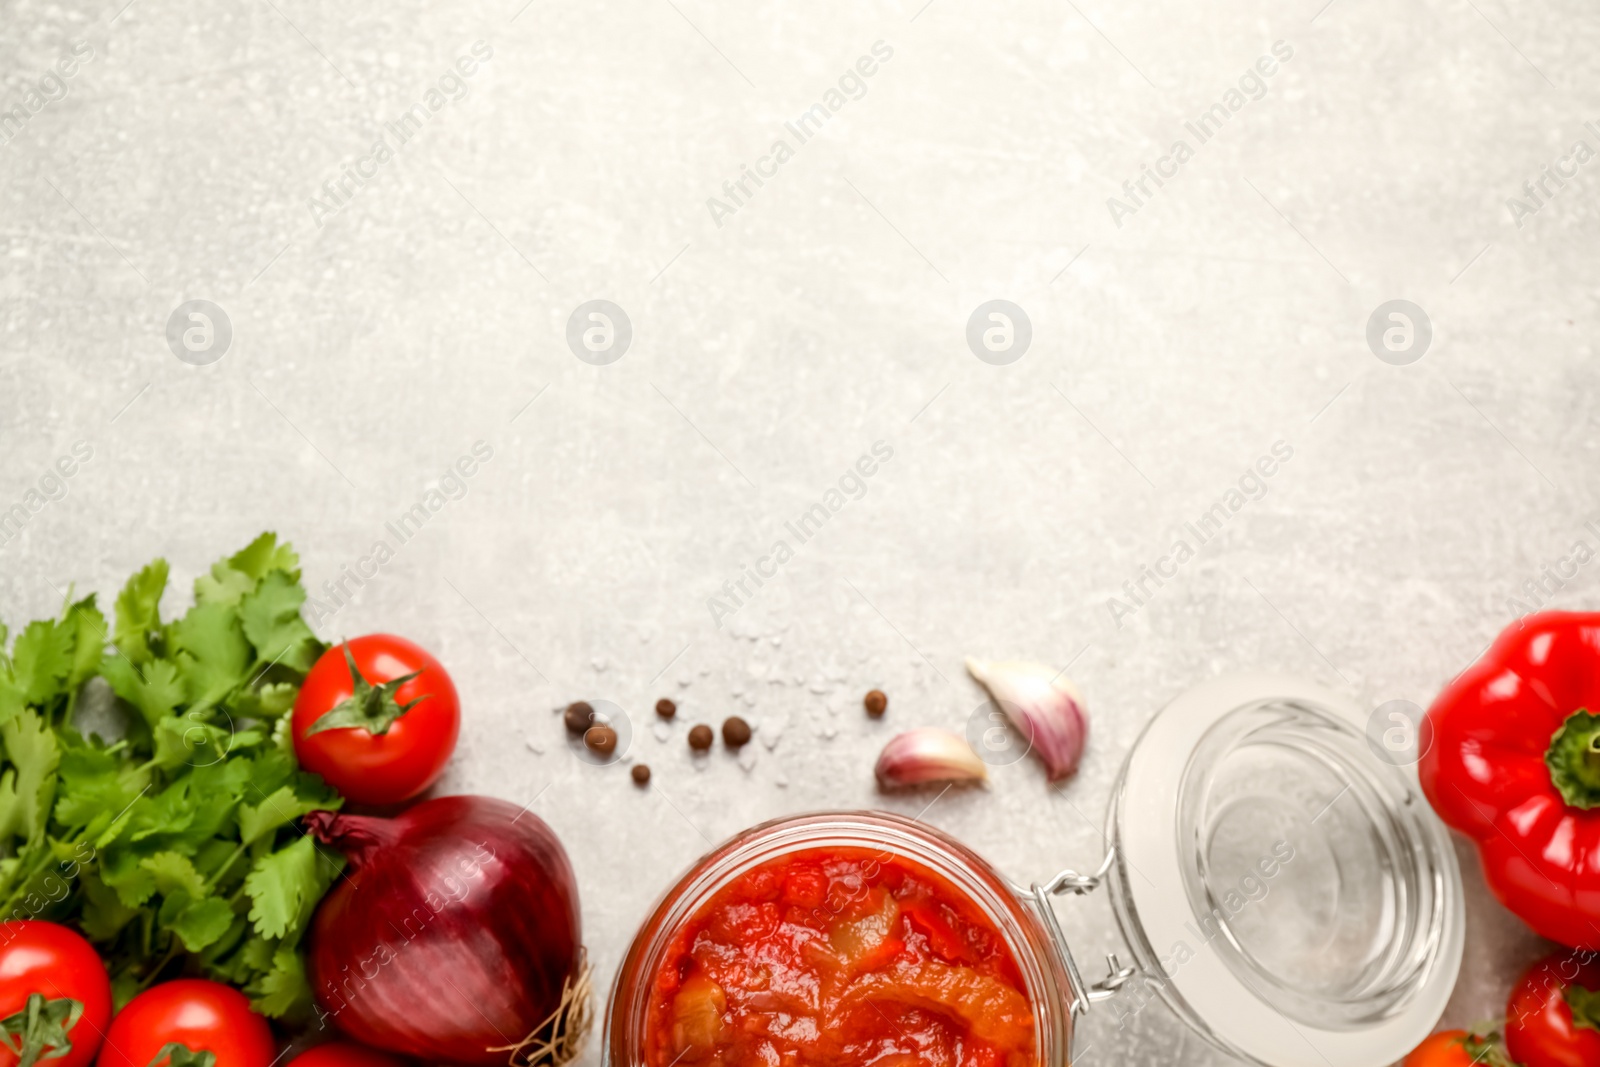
{"type": "Point", "coordinates": [26, 876]}
{"type": "Point", "coordinates": [172, 951]}
{"type": "Point", "coordinates": [226, 865]}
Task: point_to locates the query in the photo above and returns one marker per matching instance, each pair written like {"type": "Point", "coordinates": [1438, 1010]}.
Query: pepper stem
{"type": "Point", "coordinates": [1574, 760]}
{"type": "Point", "coordinates": [39, 1031]}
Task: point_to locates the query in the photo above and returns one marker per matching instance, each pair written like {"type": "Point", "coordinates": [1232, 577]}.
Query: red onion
{"type": "Point", "coordinates": [455, 934]}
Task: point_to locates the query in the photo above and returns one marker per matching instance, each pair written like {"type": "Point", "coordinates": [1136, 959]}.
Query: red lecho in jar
{"type": "Point", "coordinates": [841, 956]}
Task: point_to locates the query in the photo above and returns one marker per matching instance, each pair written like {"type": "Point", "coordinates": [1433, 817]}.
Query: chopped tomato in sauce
{"type": "Point", "coordinates": [840, 957]}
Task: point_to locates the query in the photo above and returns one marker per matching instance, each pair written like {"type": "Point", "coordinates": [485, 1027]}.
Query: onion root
{"type": "Point", "coordinates": [559, 1040]}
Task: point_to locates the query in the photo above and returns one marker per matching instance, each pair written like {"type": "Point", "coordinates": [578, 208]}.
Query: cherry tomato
{"type": "Point", "coordinates": [56, 963]}
{"type": "Point", "coordinates": [1455, 1048]}
{"type": "Point", "coordinates": [200, 1015]}
{"type": "Point", "coordinates": [1553, 1011]}
{"type": "Point", "coordinates": [344, 1054]}
{"type": "Point", "coordinates": [392, 717]}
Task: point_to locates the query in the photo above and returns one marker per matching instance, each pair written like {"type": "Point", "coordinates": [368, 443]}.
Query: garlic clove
{"type": "Point", "coordinates": [1045, 707]}
{"type": "Point", "coordinates": [928, 754]}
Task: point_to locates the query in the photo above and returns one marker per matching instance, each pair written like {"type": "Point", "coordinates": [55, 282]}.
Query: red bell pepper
{"type": "Point", "coordinates": [1553, 1017]}
{"type": "Point", "coordinates": [1514, 763]}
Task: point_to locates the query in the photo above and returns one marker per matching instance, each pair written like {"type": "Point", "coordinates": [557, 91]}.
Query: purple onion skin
{"type": "Point", "coordinates": [452, 933]}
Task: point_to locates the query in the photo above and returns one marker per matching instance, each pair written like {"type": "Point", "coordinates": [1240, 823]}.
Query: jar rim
{"type": "Point", "coordinates": [1162, 888]}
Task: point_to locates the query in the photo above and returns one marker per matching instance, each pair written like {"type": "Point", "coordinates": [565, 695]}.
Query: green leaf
{"type": "Point", "coordinates": [265, 555]}
{"type": "Point", "coordinates": [88, 629]}
{"type": "Point", "coordinates": [138, 611]}
{"type": "Point", "coordinates": [211, 651]}
{"type": "Point", "coordinates": [42, 660]}
{"type": "Point", "coordinates": [93, 783]}
{"type": "Point", "coordinates": [12, 698]}
{"type": "Point", "coordinates": [202, 922]}
{"type": "Point", "coordinates": [265, 702]}
{"type": "Point", "coordinates": [125, 985]}
{"type": "Point", "coordinates": [280, 809]}
{"type": "Point", "coordinates": [156, 690]}
{"type": "Point", "coordinates": [284, 886]}
{"type": "Point", "coordinates": [224, 586]}
{"type": "Point", "coordinates": [223, 783]}
{"type": "Point", "coordinates": [104, 914]}
{"type": "Point", "coordinates": [231, 579]}
{"type": "Point", "coordinates": [283, 735]}
{"type": "Point", "coordinates": [272, 622]}
{"type": "Point", "coordinates": [147, 845]}
{"type": "Point", "coordinates": [257, 953]}
{"type": "Point", "coordinates": [222, 955]}
{"type": "Point", "coordinates": [105, 829]}
{"type": "Point", "coordinates": [282, 990]}
{"type": "Point", "coordinates": [174, 873]}
{"type": "Point", "coordinates": [27, 788]}
{"type": "Point", "coordinates": [122, 871]}
{"type": "Point", "coordinates": [192, 810]}
{"type": "Point", "coordinates": [189, 739]}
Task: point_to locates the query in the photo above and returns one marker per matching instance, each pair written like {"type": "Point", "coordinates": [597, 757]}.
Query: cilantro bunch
{"type": "Point", "coordinates": [165, 827]}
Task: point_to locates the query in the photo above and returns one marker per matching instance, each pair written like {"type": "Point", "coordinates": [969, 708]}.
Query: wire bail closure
{"type": "Point", "coordinates": [1071, 882]}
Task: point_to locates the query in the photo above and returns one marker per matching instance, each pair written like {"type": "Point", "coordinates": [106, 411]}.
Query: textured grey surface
{"type": "Point", "coordinates": [1228, 313]}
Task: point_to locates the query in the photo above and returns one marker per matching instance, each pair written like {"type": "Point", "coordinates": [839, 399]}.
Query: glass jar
{"type": "Point", "coordinates": [1281, 886]}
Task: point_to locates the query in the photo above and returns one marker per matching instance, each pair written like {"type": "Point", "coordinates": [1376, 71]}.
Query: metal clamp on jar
{"type": "Point", "coordinates": [1284, 889]}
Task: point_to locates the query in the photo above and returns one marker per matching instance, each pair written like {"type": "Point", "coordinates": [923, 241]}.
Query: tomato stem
{"type": "Point", "coordinates": [369, 707]}
{"type": "Point", "coordinates": [39, 1031]}
{"type": "Point", "coordinates": [1574, 760]}
{"type": "Point", "coordinates": [1585, 1005]}
{"type": "Point", "coordinates": [1486, 1049]}
{"type": "Point", "coordinates": [175, 1054]}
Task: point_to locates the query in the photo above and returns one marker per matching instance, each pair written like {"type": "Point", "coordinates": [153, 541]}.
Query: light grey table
{"type": "Point", "coordinates": [379, 328]}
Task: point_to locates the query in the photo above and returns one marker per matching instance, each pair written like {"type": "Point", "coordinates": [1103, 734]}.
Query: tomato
{"type": "Point", "coordinates": [202, 1016]}
{"type": "Point", "coordinates": [58, 965]}
{"type": "Point", "coordinates": [1553, 1016]}
{"type": "Point", "coordinates": [1443, 1049]}
{"type": "Point", "coordinates": [344, 1054]}
{"type": "Point", "coordinates": [1458, 1048]}
{"type": "Point", "coordinates": [392, 719]}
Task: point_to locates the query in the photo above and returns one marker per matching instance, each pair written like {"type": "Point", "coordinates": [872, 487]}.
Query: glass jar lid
{"type": "Point", "coordinates": [1287, 892]}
